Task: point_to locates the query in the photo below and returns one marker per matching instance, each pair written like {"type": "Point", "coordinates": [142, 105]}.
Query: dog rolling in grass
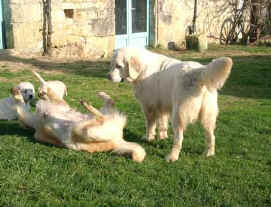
{"type": "Point", "coordinates": [58, 124]}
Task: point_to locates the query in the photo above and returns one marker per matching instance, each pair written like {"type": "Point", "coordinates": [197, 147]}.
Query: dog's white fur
{"type": "Point", "coordinates": [58, 87]}
{"type": "Point", "coordinates": [56, 123]}
{"type": "Point", "coordinates": [6, 104]}
{"type": "Point", "coordinates": [187, 90]}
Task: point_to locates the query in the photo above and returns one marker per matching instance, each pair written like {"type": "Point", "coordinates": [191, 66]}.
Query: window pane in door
{"type": "Point", "coordinates": [139, 16]}
{"type": "Point", "coordinates": [121, 17]}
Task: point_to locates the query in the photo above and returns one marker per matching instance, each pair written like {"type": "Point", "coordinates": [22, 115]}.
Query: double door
{"type": "Point", "coordinates": [131, 23]}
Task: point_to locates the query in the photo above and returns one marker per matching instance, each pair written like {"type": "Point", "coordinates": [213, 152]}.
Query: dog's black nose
{"type": "Point", "coordinates": [31, 96]}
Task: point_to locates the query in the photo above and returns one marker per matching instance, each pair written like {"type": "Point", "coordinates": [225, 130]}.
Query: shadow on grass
{"type": "Point", "coordinates": [93, 68]}
{"type": "Point", "coordinates": [13, 128]}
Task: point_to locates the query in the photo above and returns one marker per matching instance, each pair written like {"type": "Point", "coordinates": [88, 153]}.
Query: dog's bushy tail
{"type": "Point", "coordinates": [26, 117]}
{"type": "Point", "coordinates": [214, 75]}
{"type": "Point", "coordinates": [132, 149]}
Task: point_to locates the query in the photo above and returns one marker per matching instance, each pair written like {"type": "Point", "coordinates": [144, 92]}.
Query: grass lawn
{"type": "Point", "coordinates": [35, 174]}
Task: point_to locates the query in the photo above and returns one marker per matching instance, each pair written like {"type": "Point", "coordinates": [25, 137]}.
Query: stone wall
{"type": "Point", "coordinates": [81, 28]}
{"type": "Point", "coordinates": [86, 28]}
{"type": "Point", "coordinates": [23, 24]}
{"type": "Point", "coordinates": [174, 17]}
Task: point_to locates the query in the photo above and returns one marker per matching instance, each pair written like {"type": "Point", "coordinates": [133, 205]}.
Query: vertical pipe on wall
{"type": "Point", "coordinates": [156, 23]}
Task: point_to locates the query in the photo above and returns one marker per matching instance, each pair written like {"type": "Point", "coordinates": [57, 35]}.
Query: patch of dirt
{"type": "Point", "coordinates": [2, 79]}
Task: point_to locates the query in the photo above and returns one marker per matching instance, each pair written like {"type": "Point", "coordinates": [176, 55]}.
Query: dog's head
{"type": "Point", "coordinates": [17, 95]}
{"type": "Point", "coordinates": [125, 65]}
{"type": "Point", "coordinates": [27, 90]}
{"type": "Point", "coordinates": [46, 93]}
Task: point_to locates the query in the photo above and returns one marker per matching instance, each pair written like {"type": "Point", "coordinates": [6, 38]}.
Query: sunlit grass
{"type": "Point", "coordinates": [35, 174]}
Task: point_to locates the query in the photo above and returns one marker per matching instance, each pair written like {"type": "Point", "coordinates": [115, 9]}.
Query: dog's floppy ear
{"type": "Point", "coordinates": [134, 68]}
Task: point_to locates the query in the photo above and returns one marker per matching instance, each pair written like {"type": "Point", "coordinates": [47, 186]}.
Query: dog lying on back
{"type": "Point", "coordinates": [28, 93]}
{"type": "Point", "coordinates": [187, 90]}
{"type": "Point", "coordinates": [58, 87]}
{"type": "Point", "coordinates": [58, 124]}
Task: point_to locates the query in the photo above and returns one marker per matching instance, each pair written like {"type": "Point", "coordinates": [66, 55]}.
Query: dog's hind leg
{"type": "Point", "coordinates": [109, 103]}
{"type": "Point", "coordinates": [208, 114]}
{"type": "Point", "coordinates": [178, 130]}
{"type": "Point", "coordinates": [96, 112]}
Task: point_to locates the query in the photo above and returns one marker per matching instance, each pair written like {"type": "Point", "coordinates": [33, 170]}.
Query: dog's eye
{"type": "Point", "coordinates": [118, 66]}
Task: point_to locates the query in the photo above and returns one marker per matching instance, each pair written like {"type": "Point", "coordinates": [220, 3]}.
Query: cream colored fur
{"type": "Point", "coordinates": [58, 87]}
{"type": "Point", "coordinates": [186, 90]}
{"type": "Point", "coordinates": [56, 123]}
{"type": "Point", "coordinates": [7, 111]}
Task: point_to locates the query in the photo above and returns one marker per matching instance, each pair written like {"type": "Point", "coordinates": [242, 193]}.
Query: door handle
{"type": "Point", "coordinates": [133, 9]}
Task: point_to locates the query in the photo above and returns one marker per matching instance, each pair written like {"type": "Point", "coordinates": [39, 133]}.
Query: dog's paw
{"type": "Point", "coordinates": [163, 135]}
{"type": "Point", "coordinates": [149, 138]}
{"type": "Point", "coordinates": [210, 153]}
{"type": "Point", "coordinates": [170, 158]}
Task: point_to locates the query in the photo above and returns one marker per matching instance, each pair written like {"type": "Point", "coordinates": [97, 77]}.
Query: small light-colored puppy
{"type": "Point", "coordinates": [58, 87]}
{"type": "Point", "coordinates": [58, 124]}
{"type": "Point", "coordinates": [28, 93]}
{"type": "Point", "coordinates": [187, 90]}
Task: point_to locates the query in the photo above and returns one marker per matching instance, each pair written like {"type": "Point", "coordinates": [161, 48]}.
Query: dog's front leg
{"type": "Point", "coordinates": [177, 145]}
{"type": "Point", "coordinates": [163, 126]}
{"type": "Point", "coordinates": [150, 124]}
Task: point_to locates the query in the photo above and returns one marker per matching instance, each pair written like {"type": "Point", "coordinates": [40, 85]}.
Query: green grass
{"type": "Point", "coordinates": [35, 174]}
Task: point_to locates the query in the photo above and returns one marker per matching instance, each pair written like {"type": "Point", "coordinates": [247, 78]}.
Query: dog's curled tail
{"type": "Point", "coordinates": [26, 118]}
{"type": "Point", "coordinates": [216, 73]}
{"type": "Point", "coordinates": [39, 77]}
{"type": "Point", "coordinates": [132, 149]}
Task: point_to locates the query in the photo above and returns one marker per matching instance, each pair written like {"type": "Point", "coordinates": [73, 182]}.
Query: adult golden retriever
{"type": "Point", "coordinates": [187, 90]}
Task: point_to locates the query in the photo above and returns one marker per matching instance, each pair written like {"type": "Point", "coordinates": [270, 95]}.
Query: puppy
{"type": "Point", "coordinates": [28, 93]}
{"type": "Point", "coordinates": [58, 87]}
{"type": "Point", "coordinates": [187, 90]}
{"type": "Point", "coordinates": [56, 123]}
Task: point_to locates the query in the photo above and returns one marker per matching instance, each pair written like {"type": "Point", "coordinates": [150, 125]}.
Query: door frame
{"type": "Point", "coordinates": [127, 38]}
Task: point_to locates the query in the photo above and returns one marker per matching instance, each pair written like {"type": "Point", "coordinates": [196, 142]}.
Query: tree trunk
{"type": "Point", "coordinates": [195, 17]}
{"type": "Point", "coordinates": [49, 35]}
{"type": "Point", "coordinates": [256, 20]}
{"type": "Point", "coordinates": [47, 27]}
{"type": "Point", "coordinates": [269, 11]}
{"type": "Point", "coordinates": [44, 28]}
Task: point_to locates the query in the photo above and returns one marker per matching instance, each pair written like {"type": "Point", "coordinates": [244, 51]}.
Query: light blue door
{"type": "Point", "coordinates": [132, 23]}
{"type": "Point", "coordinates": [1, 26]}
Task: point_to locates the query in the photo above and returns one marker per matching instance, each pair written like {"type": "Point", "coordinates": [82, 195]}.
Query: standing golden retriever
{"type": "Point", "coordinates": [58, 124]}
{"type": "Point", "coordinates": [187, 90]}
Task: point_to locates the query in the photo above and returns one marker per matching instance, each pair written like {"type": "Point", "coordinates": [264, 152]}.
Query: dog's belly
{"type": "Point", "coordinates": [155, 95]}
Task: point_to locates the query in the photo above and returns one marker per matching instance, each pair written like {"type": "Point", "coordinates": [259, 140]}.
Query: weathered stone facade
{"type": "Point", "coordinates": [86, 28]}
{"type": "Point", "coordinates": [81, 28]}
{"type": "Point", "coordinates": [174, 17]}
